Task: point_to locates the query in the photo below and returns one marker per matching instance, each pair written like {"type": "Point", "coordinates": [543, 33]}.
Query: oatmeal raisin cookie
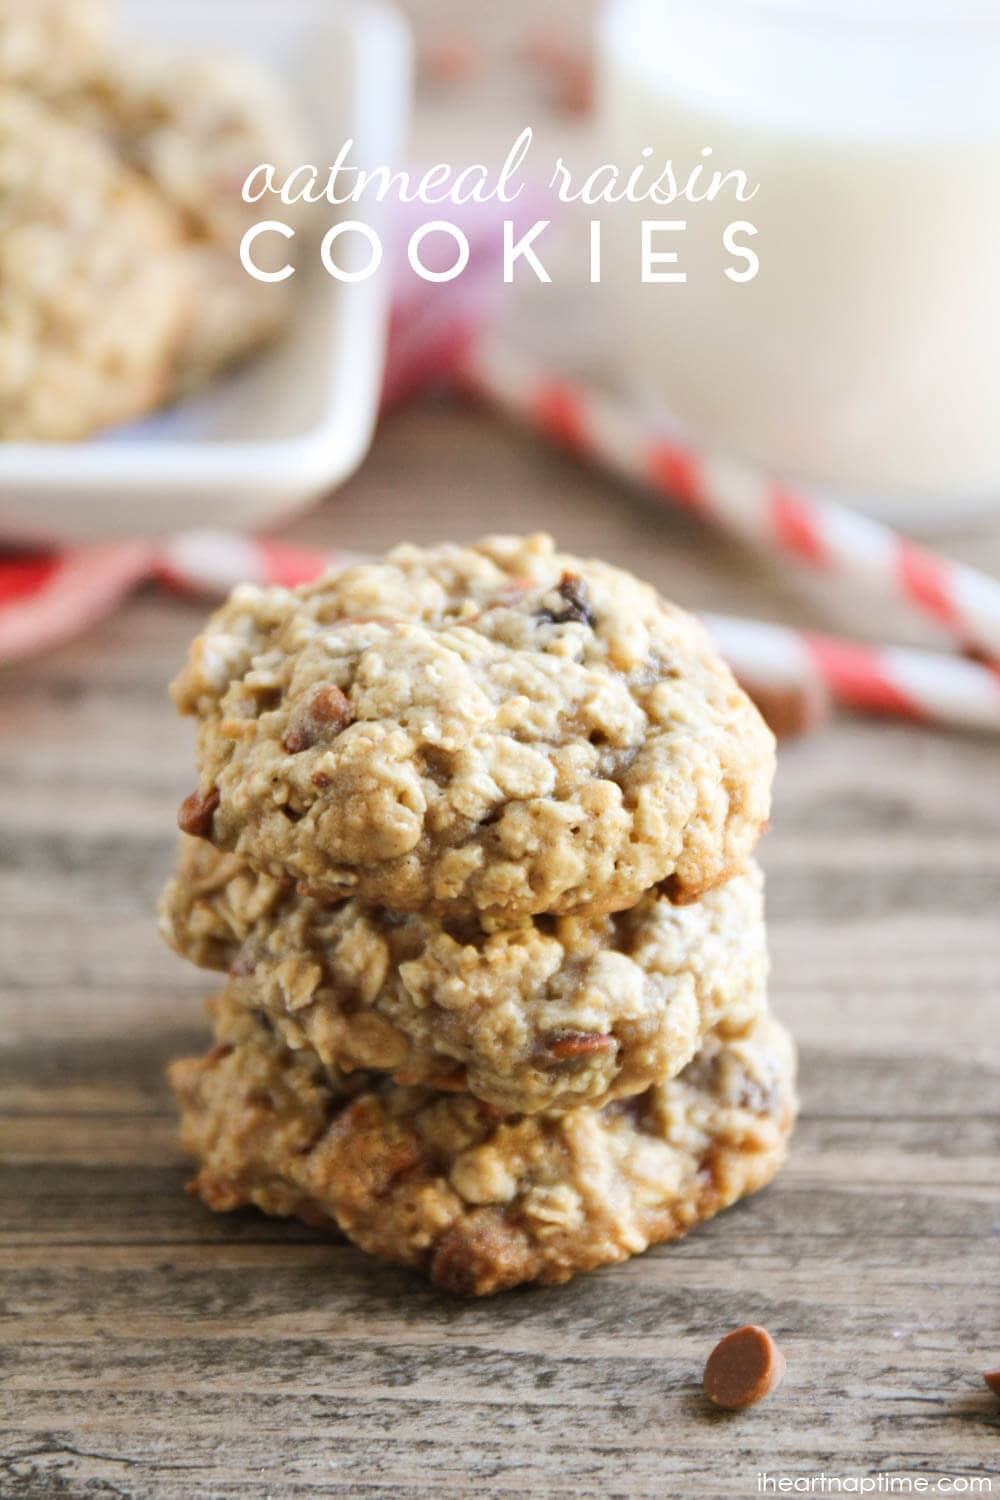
{"type": "Point", "coordinates": [546, 1013]}
{"type": "Point", "coordinates": [499, 729]}
{"type": "Point", "coordinates": [478, 1201]}
{"type": "Point", "coordinates": [195, 127]}
{"type": "Point", "coordinates": [52, 46]}
{"type": "Point", "coordinates": [94, 292]}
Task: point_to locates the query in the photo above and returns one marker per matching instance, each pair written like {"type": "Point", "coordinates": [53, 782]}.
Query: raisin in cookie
{"type": "Point", "coordinates": [94, 293]}
{"type": "Point", "coordinates": [479, 1202]}
{"type": "Point", "coordinates": [498, 729]}
{"type": "Point", "coordinates": [548, 1013]}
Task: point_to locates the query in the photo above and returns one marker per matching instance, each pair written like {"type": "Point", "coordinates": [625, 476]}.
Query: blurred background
{"type": "Point", "coordinates": [883, 861]}
{"type": "Point", "coordinates": [94, 761]}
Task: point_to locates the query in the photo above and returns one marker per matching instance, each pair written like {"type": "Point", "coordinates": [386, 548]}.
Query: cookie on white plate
{"type": "Point", "coordinates": [94, 291]}
{"type": "Point", "coordinates": [195, 127]}
{"type": "Point", "coordinates": [52, 47]}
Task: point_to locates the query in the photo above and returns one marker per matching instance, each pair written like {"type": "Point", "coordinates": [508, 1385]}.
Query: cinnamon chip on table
{"type": "Point", "coordinates": [743, 1368]}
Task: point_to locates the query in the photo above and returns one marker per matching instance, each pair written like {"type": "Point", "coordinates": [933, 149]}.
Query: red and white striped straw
{"type": "Point", "coordinates": [923, 685]}
{"type": "Point", "coordinates": [43, 602]}
{"type": "Point", "coordinates": [737, 498]}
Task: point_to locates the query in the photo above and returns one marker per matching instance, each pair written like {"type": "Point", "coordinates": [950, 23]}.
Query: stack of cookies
{"type": "Point", "coordinates": [472, 842]}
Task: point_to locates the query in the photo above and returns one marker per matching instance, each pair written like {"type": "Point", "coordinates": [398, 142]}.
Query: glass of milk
{"type": "Point", "coordinates": [864, 356]}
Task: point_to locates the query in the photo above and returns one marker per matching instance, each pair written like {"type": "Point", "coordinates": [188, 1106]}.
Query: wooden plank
{"type": "Point", "coordinates": [150, 1349]}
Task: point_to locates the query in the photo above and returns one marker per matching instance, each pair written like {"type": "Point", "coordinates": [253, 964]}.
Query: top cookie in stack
{"type": "Point", "coordinates": [496, 730]}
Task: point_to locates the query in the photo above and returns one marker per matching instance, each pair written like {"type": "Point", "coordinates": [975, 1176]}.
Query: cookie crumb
{"type": "Point", "coordinates": [743, 1368]}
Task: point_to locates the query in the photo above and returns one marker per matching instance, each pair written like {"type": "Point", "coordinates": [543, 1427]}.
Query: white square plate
{"type": "Point", "coordinates": [298, 418]}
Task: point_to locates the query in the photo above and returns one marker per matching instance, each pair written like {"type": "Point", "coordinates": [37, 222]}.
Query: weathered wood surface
{"type": "Point", "coordinates": [150, 1349]}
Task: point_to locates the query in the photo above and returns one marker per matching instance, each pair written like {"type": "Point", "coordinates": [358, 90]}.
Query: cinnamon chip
{"type": "Point", "coordinates": [195, 814]}
{"type": "Point", "coordinates": [217, 1053]}
{"type": "Point", "coordinates": [568, 71]}
{"type": "Point", "coordinates": [992, 1378]}
{"type": "Point", "coordinates": [579, 1043]}
{"type": "Point", "coordinates": [327, 711]}
{"type": "Point", "coordinates": [743, 1368]}
{"type": "Point", "coordinates": [574, 93]}
{"type": "Point", "coordinates": [445, 1083]}
{"type": "Point", "coordinates": [981, 657]}
{"type": "Point", "coordinates": [790, 710]}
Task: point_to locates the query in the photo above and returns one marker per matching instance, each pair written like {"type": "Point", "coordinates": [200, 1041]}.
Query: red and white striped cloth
{"type": "Point", "coordinates": [48, 599]}
{"type": "Point", "coordinates": [43, 601]}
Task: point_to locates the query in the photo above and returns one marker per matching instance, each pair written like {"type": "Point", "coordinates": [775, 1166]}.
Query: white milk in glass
{"type": "Point", "coordinates": [865, 354]}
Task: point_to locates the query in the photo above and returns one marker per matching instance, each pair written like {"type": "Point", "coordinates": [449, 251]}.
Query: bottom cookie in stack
{"type": "Point", "coordinates": [477, 1199]}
